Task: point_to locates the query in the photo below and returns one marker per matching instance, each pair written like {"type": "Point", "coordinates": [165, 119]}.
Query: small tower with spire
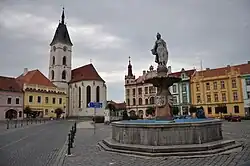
{"type": "Point", "coordinates": [60, 55]}
{"type": "Point", "coordinates": [129, 77]}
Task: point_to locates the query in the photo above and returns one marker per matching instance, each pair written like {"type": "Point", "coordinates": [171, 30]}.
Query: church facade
{"type": "Point", "coordinates": [83, 84]}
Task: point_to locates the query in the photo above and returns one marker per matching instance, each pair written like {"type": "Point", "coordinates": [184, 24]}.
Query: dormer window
{"type": "Point", "coordinates": [182, 75]}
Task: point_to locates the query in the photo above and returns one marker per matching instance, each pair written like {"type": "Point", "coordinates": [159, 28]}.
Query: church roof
{"type": "Point", "coordinates": [34, 77]}
{"type": "Point", "coordinates": [189, 73]}
{"type": "Point", "coordinates": [61, 34]}
{"type": "Point", "coordinates": [84, 73]}
{"type": "Point", "coordinates": [9, 84]}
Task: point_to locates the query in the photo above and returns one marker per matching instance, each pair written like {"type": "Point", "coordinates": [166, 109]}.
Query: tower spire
{"type": "Point", "coordinates": [130, 72]}
{"type": "Point", "coordinates": [63, 16]}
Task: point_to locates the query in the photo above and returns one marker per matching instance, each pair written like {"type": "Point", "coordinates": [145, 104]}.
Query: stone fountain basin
{"type": "Point", "coordinates": [165, 133]}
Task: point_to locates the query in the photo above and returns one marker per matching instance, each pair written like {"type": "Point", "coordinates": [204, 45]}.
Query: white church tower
{"type": "Point", "coordinates": [60, 56]}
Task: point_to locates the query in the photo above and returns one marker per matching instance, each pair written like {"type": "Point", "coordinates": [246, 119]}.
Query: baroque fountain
{"type": "Point", "coordinates": [166, 136]}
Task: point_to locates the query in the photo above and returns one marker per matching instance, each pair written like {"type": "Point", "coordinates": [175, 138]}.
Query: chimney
{"type": "Point", "coordinates": [169, 69]}
{"type": "Point", "coordinates": [144, 72]}
{"type": "Point", "coordinates": [25, 71]}
{"type": "Point", "coordinates": [248, 62]}
{"type": "Point", "coordinates": [207, 68]}
{"type": "Point", "coordinates": [228, 65]}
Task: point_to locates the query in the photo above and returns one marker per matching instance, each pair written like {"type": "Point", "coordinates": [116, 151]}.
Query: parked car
{"type": "Point", "coordinates": [226, 117]}
{"type": "Point", "coordinates": [234, 119]}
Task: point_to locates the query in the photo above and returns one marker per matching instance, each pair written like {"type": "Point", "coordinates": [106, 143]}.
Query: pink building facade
{"type": "Point", "coordinates": [11, 99]}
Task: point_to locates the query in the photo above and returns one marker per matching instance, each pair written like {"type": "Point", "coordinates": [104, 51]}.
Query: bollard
{"type": "Point", "coordinates": [69, 144]}
{"type": "Point", "coordinates": [75, 127]}
{"type": "Point", "coordinates": [27, 121]}
{"type": "Point", "coordinates": [40, 120]}
{"type": "Point", "coordinates": [15, 123]}
{"type": "Point", "coordinates": [71, 138]}
{"type": "Point", "coordinates": [8, 124]}
{"type": "Point", "coordinates": [21, 123]}
{"type": "Point", "coordinates": [31, 121]}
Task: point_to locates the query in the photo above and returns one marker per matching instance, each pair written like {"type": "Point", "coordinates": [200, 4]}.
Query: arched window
{"type": "Point", "coordinates": [64, 75]}
{"type": "Point", "coordinates": [79, 96]}
{"type": "Point", "coordinates": [53, 60]}
{"type": "Point", "coordinates": [128, 102]}
{"type": "Point", "coordinates": [64, 60]}
{"type": "Point", "coordinates": [146, 101]}
{"type": "Point", "coordinates": [140, 101]}
{"type": "Point", "coordinates": [134, 102]}
{"type": "Point", "coordinates": [88, 94]}
{"type": "Point", "coordinates": [97, 94]}
{"type": "Point", "coordinates": [52, 74]}
{"type": "Point", "coordinates": [152, 100]}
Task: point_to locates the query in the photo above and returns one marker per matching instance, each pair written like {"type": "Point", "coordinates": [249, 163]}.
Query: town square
{"type": "Point", "coordinates": [112, 83]}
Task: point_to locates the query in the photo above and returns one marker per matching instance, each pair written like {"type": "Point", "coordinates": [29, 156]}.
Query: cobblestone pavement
{"type": "Point", "coordinates": [87, 153]}
{"type": "Point", "coordinates": [33, 146]}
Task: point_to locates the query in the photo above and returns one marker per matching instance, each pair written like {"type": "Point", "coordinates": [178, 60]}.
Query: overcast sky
{"type": "Point", "coordinates": [109, 31]}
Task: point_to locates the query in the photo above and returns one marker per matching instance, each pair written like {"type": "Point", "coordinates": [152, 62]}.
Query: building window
{"type": "Point", "coordinates": [134, 102]}
{"type": "Point", "coordinates": [207, 86]}
{"type": "Point", "coordinates": [140, 101]}
{"type": "Point", "coordinates": [88, 94]}
{"type": "Point", "coordinates": [52, 74]}
{"type": "Point", "coordinates": [79, 97]}
{"type": "Point", "coordinates": [53, 60]}
{"type": "Point", "coordinates": [60, 101]}
{"type": "Point", "coordinates": [46, 112]}
{"type": "Point", "coordinates": [247, 81]}
{"type": "Point", "coordinates": [209, 110]}
{"type": "Point", "coordinates": [54, 100]}
{"type": "Point", "coordinates": [197, 87]}
{"type": "Point", "coordinates": [139, 91]}
{"type": "Point", "coordinates": [20, 114]}
{"type": "Point", "coordinates": [133, 92]}
{"type": "Point", "coordinates": [9, 100]}
{"type": "Point", "coordinates": [174, 100]}
{"type": "Point", "coordinates": [128, 102]}
{"type": "Point", "coordinates": [152, 100]}
{"type": "Point", "coordinates": [184, 88]}
{"type": "Point", "coordinates": [64, 75]}
{"type": "Point", "coordinates": [234, 83]}
{"type": "Point", "coordinates": [64, 61]}
{"type": "Point", "coordinates": [151, 89]}
{"type": "Point", "coordinates": [127, 92]}
{"type": "Point", "coordinates": [17, 101]}
{"type": "Point", "coordinates": [216, 97]}
{"type": "Point", "coordinates": [46, 100]}
{"type": "Point", "coordinates": [248, 95]}
{"type": "Point", "coordinates": [198, 98]}
{"type": "Point", "coordinates": [208, 98]}
{"type": "Point", "coordinates": [224, 97]}
{"type": "Point", "coordinates": [30, 99]}
{"type": "Point", "coordinates": [146, 101]}
{"type": "Point", "coordinates": [174, 89]}
{"type": "Point", "coordinates": [222, 85]}
{"type": "Point", "coordinates": [38, 99]}
{"type": "Point", "coordinates": [146, 90]}
{"type": "Point", "coordinates": [215, 85]}
{"type": "Point", "coordinates": [97, 94]}
{"type": "Point", "coordinates": [235, 96]}
{"type": "Point", "coordinates": [184, 98]}
{"type": "Point", "coordinates": [236, 109]}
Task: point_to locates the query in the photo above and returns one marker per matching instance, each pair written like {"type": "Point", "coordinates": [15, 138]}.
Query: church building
{"type": "Point", "coordinates": [83, 84]}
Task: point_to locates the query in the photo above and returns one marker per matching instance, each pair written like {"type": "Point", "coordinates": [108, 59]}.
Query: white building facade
{"type": "Point", "coordinates": [246, 93]}
{"type": "Point", "coordinates": [83, 84]}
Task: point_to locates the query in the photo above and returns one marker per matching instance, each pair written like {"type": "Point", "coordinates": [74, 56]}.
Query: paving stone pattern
{"type": "Point", "coordinates": [87, 153]}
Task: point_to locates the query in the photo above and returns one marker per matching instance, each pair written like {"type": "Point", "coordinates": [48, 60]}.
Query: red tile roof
{"type": "Point", "coordinates": [243, 69]}
{"type": "Point", "coordinates": [35, 77]}
{"type": "Point", "coordinates": [87, 72]}
{"type": "Point", "coordinates": [118, 106]}
{"type": "Point", "coordinates": [189, 73]}
{"type": "Point", "coordinates": [9, 84]}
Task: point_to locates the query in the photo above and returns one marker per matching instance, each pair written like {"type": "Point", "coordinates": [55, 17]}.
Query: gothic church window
{"type": "Point", "coordinates": [52, 74]}
{"type": "Point", "coordinates": [64, 60]}
{"type": "Point", "coordinates": [64, 75]}
{"type": "Point", "coordinates": [79, 96]}
{"type": "Point", "coordinates": [88, 91]}
{"type": "Point", "coordinates": [97, 94]}
{"type": "Point", "coordinates": [53, 60]}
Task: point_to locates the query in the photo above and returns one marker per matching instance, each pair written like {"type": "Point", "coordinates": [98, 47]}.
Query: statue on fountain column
{"type": "Point", "coordinates": [160, 51]}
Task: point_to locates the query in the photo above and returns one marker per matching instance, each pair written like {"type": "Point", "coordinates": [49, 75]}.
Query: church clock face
{"type": "Point", "coordinates": [54, 48]}
{"type": "Point", "coordinates": [64, 48]}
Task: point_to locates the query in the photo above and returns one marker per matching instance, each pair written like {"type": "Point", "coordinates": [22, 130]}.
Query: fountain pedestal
{"type": "Point", "coordinates": [163, 99]}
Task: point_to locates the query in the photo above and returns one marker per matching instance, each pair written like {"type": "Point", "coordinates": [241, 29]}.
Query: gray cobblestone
{"type": "Point", "coordinates": [87, 153]}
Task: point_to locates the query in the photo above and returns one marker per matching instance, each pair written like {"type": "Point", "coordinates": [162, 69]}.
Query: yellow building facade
{"type": "Point", "coordinates": [218, 91]}
{"type": "Point", "coordinates": [44, 100]}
